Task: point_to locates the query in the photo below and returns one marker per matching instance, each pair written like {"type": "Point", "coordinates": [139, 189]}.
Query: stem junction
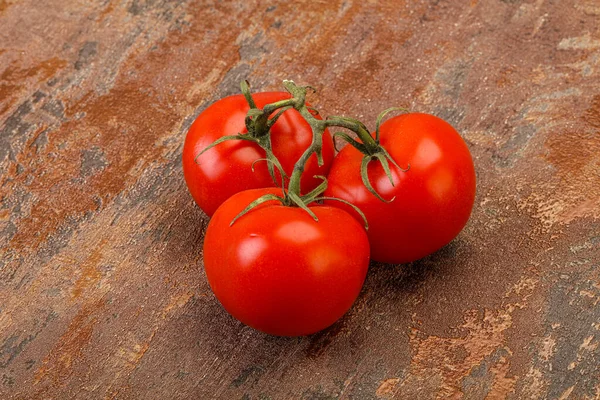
{"type": "Point", "coordinates": [259, 122]}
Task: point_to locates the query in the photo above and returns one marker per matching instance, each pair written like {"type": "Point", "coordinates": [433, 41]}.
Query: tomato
{"type": "Point", "coordinates": [227, 168]}
{"type": "Point", "coordinates": [278, 270]}
{"type": "Point", "coordinates": [432, 200]}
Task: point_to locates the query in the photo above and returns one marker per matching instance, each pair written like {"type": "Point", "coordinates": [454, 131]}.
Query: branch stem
{"type": "Point", "coordinates": [318, 128]}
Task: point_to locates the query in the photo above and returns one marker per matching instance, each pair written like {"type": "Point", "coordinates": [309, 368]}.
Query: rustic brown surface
{"type": "Point", "coordinates": [102, 291]}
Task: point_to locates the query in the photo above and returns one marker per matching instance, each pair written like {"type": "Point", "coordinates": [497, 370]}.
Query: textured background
{"type": "Point", "coordinates": [102, 291]}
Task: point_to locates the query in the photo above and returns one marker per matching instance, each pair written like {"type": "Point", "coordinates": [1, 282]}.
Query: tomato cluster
{"type": "Point", "coordinates": [293, 227]}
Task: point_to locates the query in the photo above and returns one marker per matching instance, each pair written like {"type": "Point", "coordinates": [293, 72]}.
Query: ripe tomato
{"type": "Point", "coordinates": [227, 168]}
{"type": "Point", "coordinates": [433, 199]}
{"type": "Point", "coordinates": [278, 270]}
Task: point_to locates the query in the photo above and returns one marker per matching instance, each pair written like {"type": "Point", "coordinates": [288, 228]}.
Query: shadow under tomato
{"type": "Point", "coordinates": [387, 287]}
{"type": "Point", "coordinates": [408, 278]}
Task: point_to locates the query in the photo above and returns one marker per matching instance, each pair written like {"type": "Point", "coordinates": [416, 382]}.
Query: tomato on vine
{"type": "Point", "coordinates": [279, 270]}
{"type": "Point", "coordinates": [412, 211]}
{"type": "Point", "coordinates": [291, 261]}
{"type": "Point", "coordinates": [227, 139]}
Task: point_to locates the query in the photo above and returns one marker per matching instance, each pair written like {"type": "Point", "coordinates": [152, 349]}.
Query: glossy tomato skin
{"type": "Point", "coordinates": [227, 168]}
{"type": "Point", "coordinates": [279, 271]}
{"type": "Point", "coordinates": [433, 199]}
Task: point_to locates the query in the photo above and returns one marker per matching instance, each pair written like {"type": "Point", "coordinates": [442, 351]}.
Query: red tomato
{"type": "Point", "coordinates": [278, 270]}
{"type": "Point", "coordinates": [226, 168]}
{"type": "Point", "coordinates": [433, 199]}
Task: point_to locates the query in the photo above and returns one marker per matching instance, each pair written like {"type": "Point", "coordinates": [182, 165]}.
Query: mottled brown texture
{"type": "Point", "coordinates": [102, 291]}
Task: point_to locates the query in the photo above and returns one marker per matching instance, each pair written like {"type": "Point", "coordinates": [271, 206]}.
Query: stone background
{"type": "Point", "coordinates": [102, 290]}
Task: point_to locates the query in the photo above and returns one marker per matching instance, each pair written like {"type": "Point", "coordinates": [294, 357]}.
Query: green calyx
{"type": "Point", "coordinates": [369, 146]}
{"type": "Point", "coordinates": [258, 124]}
{"type": "Point", "coordinates": [290, 199]}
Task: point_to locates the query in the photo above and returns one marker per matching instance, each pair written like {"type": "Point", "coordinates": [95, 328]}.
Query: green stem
{"type": "Point", "coordinates": [245, 86]}
{"type": "Point", "coordinates": [357, 127]}
{"type": "Point", "coordinates": [369, 146]}
{"type": "Point", "coordinates": [269, 108]}
{"type": "Point", "coordinates": [318, 128]}
{"type": "Point", "coordinates": [259, 122]}
{"type": "Point", "coordinates": [260, 125]}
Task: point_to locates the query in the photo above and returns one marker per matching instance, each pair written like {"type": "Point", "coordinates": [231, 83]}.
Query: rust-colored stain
{"type": "Point", "coordinates": [506, 77]}
{"type": "Point", "coordinates": [13, 78]}
{"type": "Point", "coordinates": [176, 302]}
{"type": "Point", "coordinates": [89, 273]}
{"type": "Point", "coordinates": [4, 4]}
{"type": "Point", "coordinates": [443, 366]}
{"type": "Point", "coordinates": [5, 91]}
{"type": "Point", "coordinates": [386, 388]}
{"type": "Point", "coordinates": [56, 367]}
{"type": "Point", "coordinates": [43, 70]}
{"type": "Point", "coordinates": [103, 293]}
{"type": "Point", "coordinates": [592, 114]}
{"type": "Point", "coordinates": [107, 11]}
{"type": "Point", "coordinates": [575, 155]}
